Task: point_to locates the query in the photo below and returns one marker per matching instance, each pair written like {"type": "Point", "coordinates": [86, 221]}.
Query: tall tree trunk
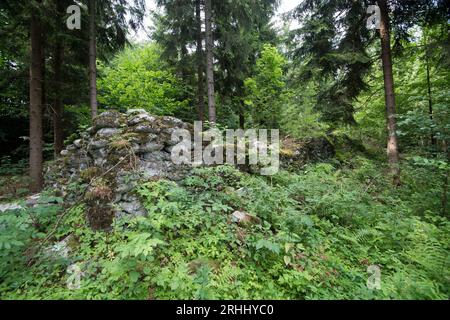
{"type": "Point", "coordinates": [209, 62]}
{"type": "Point", "coordinates": [36, 105]}
{"type": "Point", "coordinates": [92, 59]}
{"type": "Point", "coordinates": [58, 56]}
{"type": "Point", "coordinates": [392, 142]}
{"type": "Point", "coordinates": [200, 64]}
{"type": "Point", "coordinates": [44, 84]}
{"type": "Point", "coordinates": [241, 118]}
{"type": "Point", "coordinates": [183, 57]}
{"type": "Point", "coordinates": [58, 103]}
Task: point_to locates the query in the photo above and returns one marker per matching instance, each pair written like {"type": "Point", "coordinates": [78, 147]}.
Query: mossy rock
{"type": "Point", "coordinates": [90, 173]}
{"type": "Point", "coordinates": [108, 119]}
{"type": "Point", "coordinates": [100, 189]}
{"type": "Point", "coordinates": [120, 143]}
{"type": "Point", "coordinates": [100, 216]}
{"type": "Point", "coordinates": [197, 264]}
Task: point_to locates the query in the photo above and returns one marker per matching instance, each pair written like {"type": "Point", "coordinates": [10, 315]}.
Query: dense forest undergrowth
{"type": "Point", "coordinates": [318, 230]}
{"type": "Point", "coordinates": [368, 221]}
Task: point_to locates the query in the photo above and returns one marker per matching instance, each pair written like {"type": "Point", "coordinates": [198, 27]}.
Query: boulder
{"type": "Point", "coordinates": [108, 119]}
{"type": "Point", "coordinates": [107, 132]}
{"type": "Point", "coordinates": [9, 206]}
{"type": "Point", "coordinates": [243, 218]}
{"type": "Point", "coordinates": [299, 152]}
{"type": "Point", "coordinates": [60, 249]}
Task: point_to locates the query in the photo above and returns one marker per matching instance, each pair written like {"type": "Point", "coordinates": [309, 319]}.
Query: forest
{"type": "Point", "coordinates": [101, 200]}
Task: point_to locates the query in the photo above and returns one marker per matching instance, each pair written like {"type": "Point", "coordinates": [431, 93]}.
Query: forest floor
{"type": "Point", "coordinates": [333, 230]}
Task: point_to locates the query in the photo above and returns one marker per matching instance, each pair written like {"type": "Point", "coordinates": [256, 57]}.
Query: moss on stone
{"type": "Point", "coordinates": [89, 173]}
{"type": "Point", "coordinates": [100, 216]}
{"type": "Point", "coordinates": [99, 190]}
{"type": "Point", "coordinates": [120, 144]}
{"type": "Point", "coordinates": [109, 119]}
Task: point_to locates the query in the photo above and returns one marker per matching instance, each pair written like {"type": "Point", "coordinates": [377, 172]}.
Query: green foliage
{"type": "Point", "coordinates": [317, 232]}
{"type": "Point", "coordinates": [334, 48]}
{"type": "Point", "coordinates": [265, 91]}
{"type": "Point", "coordinates": [137, 78]}
{"type": "Point", "coordinates": [299, 118]}
{"type": "Point", "coordinates": [416, 125]}
{"type": "Point", "coordinates": [240, 30]}
{"type": "Point", "coordinates": [313, 231]}
{"type": "Point", "coordinates": [20, 230]}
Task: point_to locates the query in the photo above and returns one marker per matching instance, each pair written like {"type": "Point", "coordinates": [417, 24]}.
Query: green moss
{"type": "Point", "coordinates": [100, 217]}
{"type": "Point", "coordinates": [90, 173]}
{"type": "Point", "coordinates": [100, 189]}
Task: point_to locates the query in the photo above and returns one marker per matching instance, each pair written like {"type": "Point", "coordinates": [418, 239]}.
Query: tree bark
{"type": "Point", "coordinates": [92, 59]}
{"type": "Point", "coordinates": [36, 179]}
{"type": "Point", "coordinates": [241, 118]}
{"type": "Point", "coordinates": [58, 56]}
{"type": "Point", "coordinates": [58, 103]}
{"type": "Point", "coordinates": [44, 84]}
{"type": "Point", "coordinates": [200, 79]}
{"type": "Point", "coordinates": [210, 63]}
{"type": "Point", "coordinates": [183, 59]}
{"type": "Point", "coordinates": [392, 141]}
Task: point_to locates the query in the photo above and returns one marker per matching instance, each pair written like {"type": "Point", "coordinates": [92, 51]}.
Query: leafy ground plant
{"type": "Point", "coordinates": [315, 236]}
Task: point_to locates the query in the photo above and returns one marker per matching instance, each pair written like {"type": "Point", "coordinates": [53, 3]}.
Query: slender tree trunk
{"type": "Point", "coordinates": [241, 117]}
{"type": "Point", "coordinates": [184, 67]}
{"type": "Point", "coordinates": [392, 142]}
{"type": "Point", "coordinates": [200, 64]}
{"type": "Point", "coordinates": [92, 59]}
{"type": "Point", "coordinates": [210, 63]}
{"type": "Point", "coordinates": [58, 103]}
{"type": "Point", "coordinates": [36, 105]}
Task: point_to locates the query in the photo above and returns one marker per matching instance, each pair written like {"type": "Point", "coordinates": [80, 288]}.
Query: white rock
{"type": "Point", "coordinates": [134, 111]}
{"type": "Point", "coordinates": [59, 249]}
{"type": "Point", "coordinates": [77, 143]}
{"type": "Point", "coordinates": [107, 132]}
{"type": "Point", "coordinates": [9, 206]}
{"type": "Point", "coordinates": [75, 274]}
{"type": "Point", "coordinates": [141, 118]}
{"type": "Point", "coordinates": [238, 216]}
{"type": "Point", "coordinates": [243, 217]}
